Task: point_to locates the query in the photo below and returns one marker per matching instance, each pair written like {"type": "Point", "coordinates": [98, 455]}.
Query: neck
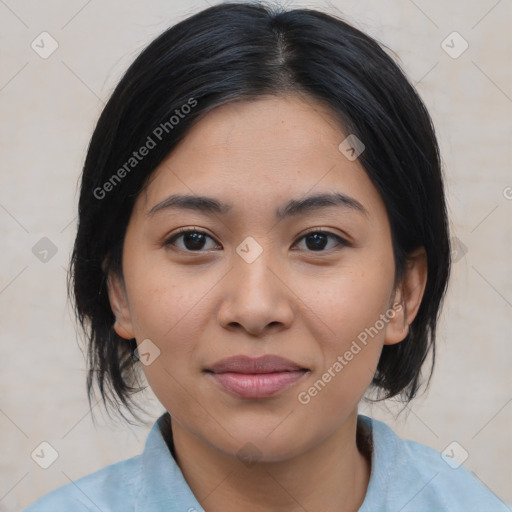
{"type": "Point", "coordinates": [333, 475]}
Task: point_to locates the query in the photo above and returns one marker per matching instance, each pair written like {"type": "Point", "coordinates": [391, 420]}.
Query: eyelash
{"type": "Point", "coordinates": [182, 231]}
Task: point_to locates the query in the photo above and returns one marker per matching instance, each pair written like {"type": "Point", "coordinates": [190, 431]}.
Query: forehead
{"type": "Point", "coordinates": [278, 129]}
{"type": "Point", "coordinates": [262, 152]}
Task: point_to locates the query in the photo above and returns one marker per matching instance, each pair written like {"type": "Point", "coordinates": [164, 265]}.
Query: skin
{"type": "Point", "coordinates": [304, 304]}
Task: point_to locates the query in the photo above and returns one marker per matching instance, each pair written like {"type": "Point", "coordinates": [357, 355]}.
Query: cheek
{"type": "Point", "coordinates": [168, 310]}
{"type": "Point", "coordinates": [354, 309]}
{"type": "Point", "coordinates": [164, 300]}
{"type": "Point", "coordinates": [350, 350]}
{"type": "Point", "coordinates": [352, 302]}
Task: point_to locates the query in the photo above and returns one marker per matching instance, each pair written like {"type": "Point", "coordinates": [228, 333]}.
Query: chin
{"type": "Point", "coordinates": [266, 441]}
{"type": "Point", "coordinates": [259, 450]}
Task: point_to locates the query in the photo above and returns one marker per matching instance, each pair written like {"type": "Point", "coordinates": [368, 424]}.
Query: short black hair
{"type": "Point", "coordinates": [243, 51]}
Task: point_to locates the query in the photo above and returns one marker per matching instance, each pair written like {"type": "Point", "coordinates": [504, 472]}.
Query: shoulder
{"type": "Point", "coordinates": [118, 483]}
{"type": "Point", "coordinates": [409, 476]}
{"type": "Point", "coordinates": [150, 481]}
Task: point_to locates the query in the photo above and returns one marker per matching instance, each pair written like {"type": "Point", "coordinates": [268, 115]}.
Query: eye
{"type": "Point", "coordinates": [193, 239]}
{"type": "Point", "coordinates": [317, 240]}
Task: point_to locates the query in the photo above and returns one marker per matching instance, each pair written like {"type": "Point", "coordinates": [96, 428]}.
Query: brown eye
{"type": "Point", "coordinates": [317, 240]}
{"type": "Point", "coordinates": [193, 240]}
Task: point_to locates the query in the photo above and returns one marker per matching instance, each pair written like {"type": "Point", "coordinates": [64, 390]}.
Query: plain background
{"type": "Point", "coordinates": [48, 111]}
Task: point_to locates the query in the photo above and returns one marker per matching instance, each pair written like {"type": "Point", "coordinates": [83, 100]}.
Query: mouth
{"type": "Point", "coordinates": [261, 377]}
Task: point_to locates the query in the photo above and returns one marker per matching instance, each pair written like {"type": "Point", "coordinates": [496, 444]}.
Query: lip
{"type": "Point", "coordinates": [261, 377]}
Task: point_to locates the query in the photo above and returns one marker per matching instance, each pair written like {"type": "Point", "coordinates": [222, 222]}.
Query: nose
{"type": "Point", "coordinates": [255, 297]}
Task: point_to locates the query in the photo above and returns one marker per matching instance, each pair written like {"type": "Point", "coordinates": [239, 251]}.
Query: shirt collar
{"type": "Point", "coordinates": [384, 456]}
{"type": "Point", "coordinates": [164, 488]}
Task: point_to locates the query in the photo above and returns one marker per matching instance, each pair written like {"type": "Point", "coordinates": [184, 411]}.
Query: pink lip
{"type": "Point", "coordinates": [260, 377]}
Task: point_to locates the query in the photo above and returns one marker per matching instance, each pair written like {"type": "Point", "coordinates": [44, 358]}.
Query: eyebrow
{"type": "Point", "coordinates": [293, 207]}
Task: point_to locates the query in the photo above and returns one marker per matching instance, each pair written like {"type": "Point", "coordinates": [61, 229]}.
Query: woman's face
{"type": "Point", "coordinates": [260, 280]}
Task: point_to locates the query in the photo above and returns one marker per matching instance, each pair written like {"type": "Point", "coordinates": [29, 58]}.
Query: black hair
{"type": "Point", "coordinates": [243, 51]}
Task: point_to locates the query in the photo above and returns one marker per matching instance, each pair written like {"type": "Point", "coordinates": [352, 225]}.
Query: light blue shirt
{"type": "Point", "coordinates": [406, 476]}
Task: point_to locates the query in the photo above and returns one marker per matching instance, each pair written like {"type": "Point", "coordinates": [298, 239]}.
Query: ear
{"type": "Point", "coordinates": [407, 297]}
{"type": "Point", "coordinates": [119, 304]}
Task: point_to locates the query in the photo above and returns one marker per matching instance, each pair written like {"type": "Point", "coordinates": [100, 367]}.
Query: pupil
{"type": "Point", "coordinates": [194, 238]}
{"type": "Point", "coordinates": [319, 241]}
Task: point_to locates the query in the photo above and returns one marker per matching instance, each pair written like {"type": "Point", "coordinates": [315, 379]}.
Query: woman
{"type": "Point", "coordinates": [263, 233]}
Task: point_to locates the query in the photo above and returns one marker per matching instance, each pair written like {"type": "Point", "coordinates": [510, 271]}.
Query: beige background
{"type": "Point", "coordinates": [48, 110]}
